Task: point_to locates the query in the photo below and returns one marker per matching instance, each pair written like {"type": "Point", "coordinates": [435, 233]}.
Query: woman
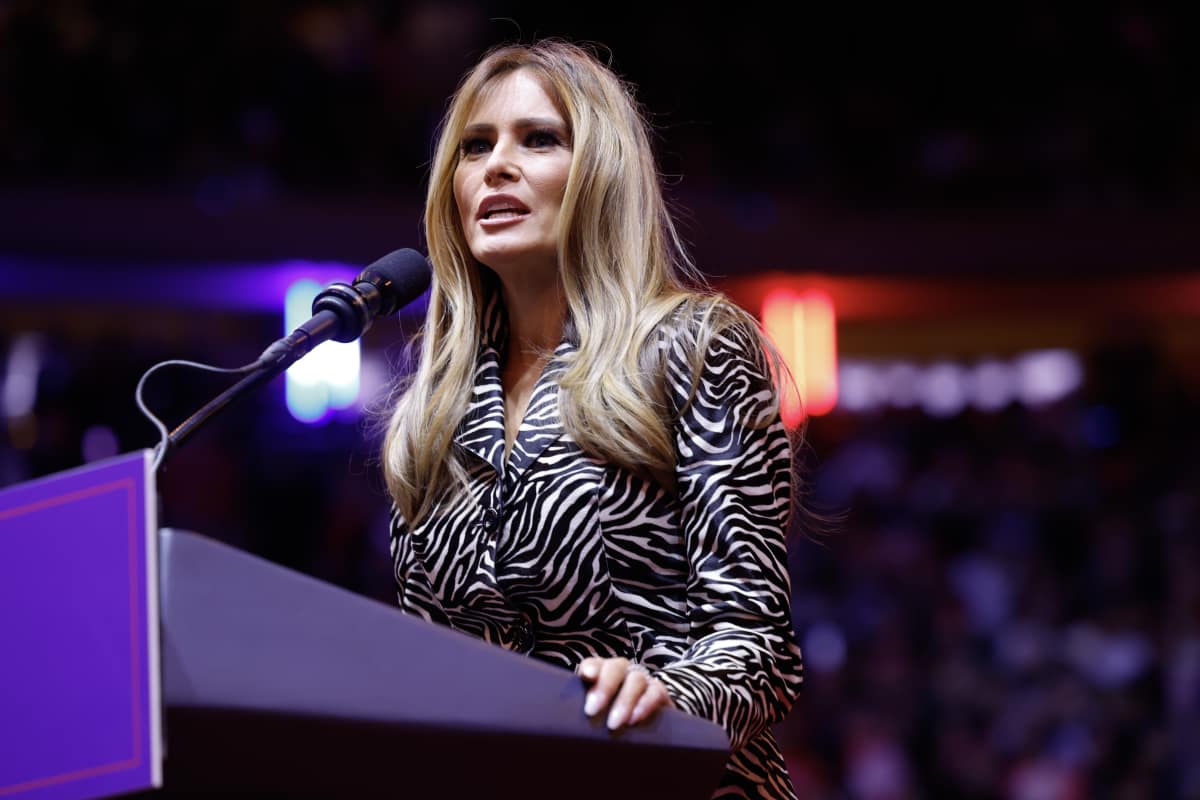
{"type": "Point", "coordinates": [588, 465]}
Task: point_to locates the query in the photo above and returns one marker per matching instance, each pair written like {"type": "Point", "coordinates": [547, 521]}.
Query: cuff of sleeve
{"type": "Point", "coordinates": [687, 692]}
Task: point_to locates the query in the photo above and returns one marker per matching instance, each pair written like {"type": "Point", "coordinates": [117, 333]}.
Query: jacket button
{"type": "Point", "coordinates": [491, 519]}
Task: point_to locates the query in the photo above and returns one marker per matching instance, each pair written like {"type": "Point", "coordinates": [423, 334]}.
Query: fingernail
{"type": "Point", "coordinates": [592, 704]}
{"type": "Point", "coordinates": [616, 717]}
{"type": "Point", "coordinates": [588, 670]}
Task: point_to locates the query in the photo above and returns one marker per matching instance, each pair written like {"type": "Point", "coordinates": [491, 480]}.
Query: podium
{"type": "Point", "coordinates": [272, 681]}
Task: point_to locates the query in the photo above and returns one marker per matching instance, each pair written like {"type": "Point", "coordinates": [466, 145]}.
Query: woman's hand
{"type": "Point", "coordinates": [637, 694]}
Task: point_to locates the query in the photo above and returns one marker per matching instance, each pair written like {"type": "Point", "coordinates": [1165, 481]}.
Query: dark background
{"type": "Point", "coordinates": [998, 604]}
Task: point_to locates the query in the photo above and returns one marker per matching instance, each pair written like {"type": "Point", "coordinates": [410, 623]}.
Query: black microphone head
{"type": "Point", "coordinates": [401, 277]}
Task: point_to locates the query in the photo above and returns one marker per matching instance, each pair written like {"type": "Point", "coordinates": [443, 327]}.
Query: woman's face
{"type": "Point", "coordinates": [512, 172]}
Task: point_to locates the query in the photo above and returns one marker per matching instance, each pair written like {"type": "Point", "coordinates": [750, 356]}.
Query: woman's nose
{"type": "Point", "coordinates": [501, 166]}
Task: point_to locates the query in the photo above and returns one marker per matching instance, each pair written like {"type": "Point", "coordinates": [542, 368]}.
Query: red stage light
{"type": "Point", "coordinates": [804, 329]}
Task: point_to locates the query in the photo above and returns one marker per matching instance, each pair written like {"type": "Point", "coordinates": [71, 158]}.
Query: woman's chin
{"type": "Point", "coordinates": [517, 260]}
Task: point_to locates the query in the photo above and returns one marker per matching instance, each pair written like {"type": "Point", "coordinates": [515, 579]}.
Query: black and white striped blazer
{"type": "Point", "coordinates": [563, 556]}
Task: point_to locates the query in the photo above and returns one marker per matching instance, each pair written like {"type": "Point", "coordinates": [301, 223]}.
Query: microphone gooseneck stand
{"type": "Point", "coordinates": [273, 361]}
{"type": "Point", "coordinates": [185, 429]}
{"type": "Point", "coordinates": [340, 312]}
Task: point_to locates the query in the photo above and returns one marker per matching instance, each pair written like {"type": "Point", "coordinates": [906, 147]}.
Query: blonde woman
{"type": "Point", "coordinates": [588, 464]}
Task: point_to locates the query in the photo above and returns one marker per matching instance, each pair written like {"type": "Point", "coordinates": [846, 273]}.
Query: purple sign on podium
{"type": "Point", "coordinates": [80, 708]}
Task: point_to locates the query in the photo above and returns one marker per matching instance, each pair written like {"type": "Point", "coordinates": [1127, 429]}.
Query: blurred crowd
{"type": "Point", "coordinates": [1014, 106]}
{"type": "Point", "coordinates": [991, 605]}
{"type": "Point", "coordinates": [1009, 604]}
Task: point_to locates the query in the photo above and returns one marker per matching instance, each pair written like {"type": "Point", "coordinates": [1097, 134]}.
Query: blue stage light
{"type": "Point", "coordinates": [328, 377]}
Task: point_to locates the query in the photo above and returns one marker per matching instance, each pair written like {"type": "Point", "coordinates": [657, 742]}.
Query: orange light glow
{"type": "Point", "coordinates": [804, 329]}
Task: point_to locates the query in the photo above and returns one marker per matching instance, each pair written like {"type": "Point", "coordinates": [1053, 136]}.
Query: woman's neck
{"type": "Point", "coordinates": [536, 313]}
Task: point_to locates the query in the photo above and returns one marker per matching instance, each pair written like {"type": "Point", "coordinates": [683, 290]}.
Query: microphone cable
{"type": "Point", "coordinates": [164, 442]}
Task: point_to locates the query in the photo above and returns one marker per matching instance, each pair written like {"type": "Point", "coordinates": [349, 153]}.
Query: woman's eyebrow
{"type": "Point", "coordinates": [476, 128]}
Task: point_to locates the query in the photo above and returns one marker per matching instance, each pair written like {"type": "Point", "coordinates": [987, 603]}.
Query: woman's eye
{"type": "Point", "coordinates": [474, 147]}
{"type": "Point", "coordinates": [539, 139]}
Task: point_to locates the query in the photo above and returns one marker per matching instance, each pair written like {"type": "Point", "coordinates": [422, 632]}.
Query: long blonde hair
{"type": "Point", "coordinates": [624, 274]}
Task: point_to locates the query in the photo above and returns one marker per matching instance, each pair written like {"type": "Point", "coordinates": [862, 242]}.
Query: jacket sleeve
{"type": "Point", "coordinates": [742, 669]}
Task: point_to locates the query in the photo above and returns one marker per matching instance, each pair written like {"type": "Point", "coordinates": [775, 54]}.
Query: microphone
{"type": "Point", "coordinates": [344, 312]}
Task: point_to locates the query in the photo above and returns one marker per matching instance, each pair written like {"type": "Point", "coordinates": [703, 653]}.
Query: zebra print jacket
{"type": "Point", "coordinates": [562, 556]}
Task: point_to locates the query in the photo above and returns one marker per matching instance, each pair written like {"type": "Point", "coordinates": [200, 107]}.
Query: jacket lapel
{"type": "Point", "coordinates": [481, 432]}
{"type": "Point", "coordinates": [542, 424]}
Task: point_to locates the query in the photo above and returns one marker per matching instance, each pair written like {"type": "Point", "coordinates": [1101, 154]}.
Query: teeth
{"type": "Point", "coordinates": [504, 213]}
